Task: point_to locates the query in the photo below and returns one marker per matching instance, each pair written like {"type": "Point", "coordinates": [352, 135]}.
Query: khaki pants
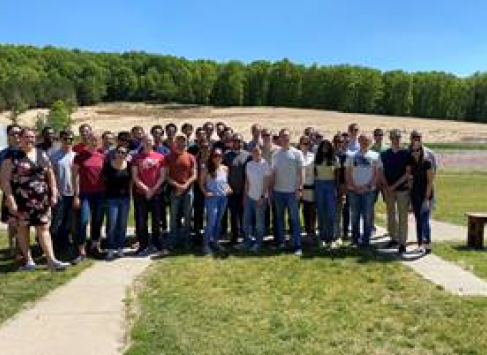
{"type": "Point", "coordinates": [397, 216]}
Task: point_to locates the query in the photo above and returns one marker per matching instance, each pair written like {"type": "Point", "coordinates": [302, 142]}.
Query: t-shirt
{"type": "Point", "coordinates": [79, 147]}
{"type": "Point", "coordinates": [149, 167]}
{"type": "Point", "coordinates": [90, 166]}
{"type": "Point", "coordinates": [268, 152]}
{"type": "Point", "coordinates": [430, 155]}
{"type": "Point", "coordinates": [62, 162]}
{"type": "Point", "coordinates": [394, 166]}
{"type": "Point", "coordinates": [379, 148]}
{"type": "Point", "coordinates": [117, 181]}
{"type": "Point", "coordinates": [419, 171]}
{"type": "Point", "coordinates": [162, 149]}
{"type": "Point", "coordinates": [342, 158]}
{"type": "Point", "coordinates": [9, 153]}
{"type": "Point", "coordinates": [325, 171]}
{"type": "Point", "coordinates": [353, 146]}
{"type": "Point", "coordinates": [180, 166]}
{"type": "Point", "coordinates": [256, 173]}
{"type": "Point", "coordinates": [308, 165]}
{"type": "Point", "coordinates": [286, 163]}
{"type": "Point", "coordinates": [363, 166]}
{"type": "Point", "coordinates": [236, 162]}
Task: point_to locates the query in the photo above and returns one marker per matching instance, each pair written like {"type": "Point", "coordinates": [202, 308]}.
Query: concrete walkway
{"type": "Point", "coordinates": [86, 316]}
{"type": "Point", "coordinates": [446, 274]}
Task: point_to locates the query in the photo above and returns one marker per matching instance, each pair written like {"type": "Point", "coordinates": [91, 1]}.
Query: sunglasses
{"type": "Point", "coordinates": [67, 139]}
{"type": "Point", "coordinates": [265, 135]}
{"type": "Point", "coordinates": [378, 135]}
{"type": "Point", "coordinates": [416, 150]}
{"type": "Point", "coordinates": [14, 133]}
{"type": "Point", "coordinates": [339, 142]}
{"type": "Point", "coordinates": [217, 156]}
{"type": "Point", "coordinates": [121, 152]}
{"type": "Point", "coordinates": [416, 137]}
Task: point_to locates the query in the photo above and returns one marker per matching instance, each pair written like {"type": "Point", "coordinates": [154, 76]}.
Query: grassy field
{"type": "Point", "coordinates": [18, 289]}
{"type": "Point", "coordinates": [438, 146]}
{"type": "Point", "coordinates": [345, 301]}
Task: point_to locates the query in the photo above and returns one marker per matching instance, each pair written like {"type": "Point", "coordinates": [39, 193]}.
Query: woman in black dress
{"type": "Point", "coordinates": [29, 186]}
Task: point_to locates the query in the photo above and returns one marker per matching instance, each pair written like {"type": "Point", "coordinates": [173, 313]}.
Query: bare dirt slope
{"type": "Point", "coordinates": [118, 116]}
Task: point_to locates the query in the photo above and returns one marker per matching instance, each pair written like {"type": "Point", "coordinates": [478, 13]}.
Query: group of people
{"type": "Point", "coordinates": [210, 184]}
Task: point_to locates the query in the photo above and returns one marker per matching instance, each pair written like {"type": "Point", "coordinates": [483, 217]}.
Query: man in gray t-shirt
{"type": "Point", "coordinates": [287, 178]}
{"type": "Point", "coordinates": [62, 216]}
{"type": "Point", "coordinates": [362, 172]}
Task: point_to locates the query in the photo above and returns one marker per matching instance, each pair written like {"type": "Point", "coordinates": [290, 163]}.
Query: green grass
{"type": "Point", "coordinates": [470, 259]}
{"type": "Point", "coordinates": [19, 289]}
{"type": "Point", "coordinates": [456, 146]}
{"type": "Point", "coordinates": [345, 301]}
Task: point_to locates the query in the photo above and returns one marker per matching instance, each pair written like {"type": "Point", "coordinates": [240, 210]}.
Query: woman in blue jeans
{"type": "Point", "coordinates": [214, 185]}
{"type": "Point", "coordinates": [326, 172]}
{"type": "Point", "coordinates": [421, 175]}
{"type": "Point", "coordinates": [118, 181]}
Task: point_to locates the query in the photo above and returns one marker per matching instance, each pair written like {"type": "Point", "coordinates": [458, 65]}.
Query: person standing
{"type": "Point", "coordinates": [107, 142]}
{"type": "Point", "coordinates": [236, 160]}
{"type": "Point", "coordinates": [11, 152]}
{"type": "Point", "coordinates": [48, 136]}
{"type": "Point", "coordinates": [326, 167]}
{"type": "Point", "coordinates": [362, 173]}
{"type": "Point", "coordinates": [85, 133]}
{"type": "Point", "coordinates": [353, 144]}
{"type": "Point", "coordinates": [214, 185]}
{"type": "Point", "coordinates": [89, 196]}
{"type": "Point", "coordinates": [342, 219]}
{"type": "Point", "coordinates": [422, 175]}
{"type": "Point", "coordinates": [258, 173]}
{"type": "Point", "coordinates": [63, 213]}
{"type": "Point", "coordinates": [287, 178]}
{"type": "Point", "coordinates": [379, 145]}
{"type": "Point", "coordinates": [394, 186]}
{"type": "Point", "coordinates": [268, 150]}
{"type": "Point", "coordinates": [148, 172]}
{"type": "Point", "coordinates": [181, 174]}
{"type": "Point", "coordinates": [117, 176]}
{"type": "Point", "coordinates": [308, 199]}
{"type": "Point", "coordinates": [255, 130]}
{"type": "Point", "coordinates": [30, 190]}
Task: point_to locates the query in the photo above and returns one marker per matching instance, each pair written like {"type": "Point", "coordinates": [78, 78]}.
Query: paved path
{"type": "Point", "coordinates": [86, 316]}
{"type": "Point", "coordinates": [446, 274]}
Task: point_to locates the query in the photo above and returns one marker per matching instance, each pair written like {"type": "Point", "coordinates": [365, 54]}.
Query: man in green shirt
{"type": "Point", "coordinates": [379, 146]}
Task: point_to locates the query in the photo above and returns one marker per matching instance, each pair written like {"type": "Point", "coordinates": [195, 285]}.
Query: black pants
{"type": "Point", "coordinates": [235, 205]}
{"type": "Point", "coordinates": [143, 207]}
{"type": "Point", "coordinates": [309, 217]}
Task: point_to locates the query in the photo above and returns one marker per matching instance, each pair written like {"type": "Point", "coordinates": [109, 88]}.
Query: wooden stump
{"type": "Point", "coordinates": [476, 223]}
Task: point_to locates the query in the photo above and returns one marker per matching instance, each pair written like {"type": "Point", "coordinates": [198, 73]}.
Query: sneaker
{"type": "Point", "coordinates": [281, 246]}
{"type": "Point", "coordinates": [255, 248]}
{"type": "Point", "coordinates": [241, 246]}
{"type": "Point", "coordinates": [298, 252]}
{"type": "Point", "coordinates": [219, 247]}
{"type": "Point", "coordinates": [120, 253]}
{"type": "Point", "coordinates": [207, 251]}
{"type": "Point", "coordinates": [427, 251]}
{"type": "Point", "coordinates": [110, 255]}
{"type": "Point", "coordinates": [142, 252]}
{"type": "Point", "coordinates": [79, 259]}
{"type": "Point", "coordinates": [391, 244]}
{"type": "Point", "coordinates": [401, 250]}
{"type": "Point", "coordinates": [31, 266]}
{"type": "Point", "coordinates": [57, 265]}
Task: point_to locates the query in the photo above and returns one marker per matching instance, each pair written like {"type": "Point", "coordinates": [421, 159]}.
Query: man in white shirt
{"type": "Point", "coordinates": [287, 177]}
{"type": "Point", "coordinates": [362, 173]}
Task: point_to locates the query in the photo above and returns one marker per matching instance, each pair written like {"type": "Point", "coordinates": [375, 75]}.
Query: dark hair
{"type": "Point", "coordinates": [169, 125]}
{"type": "Point", "coordinates": [210, 166]}
{"type": "Point", "coordinates": [186, 126]}
{"type": "Point", "coordinates": [421, 154]}
{"type": "Point", "coordinates": [135, 128]}
{"type": "Point", "coordinates": [10, 127]}
{"type": "Point", "coordinates": [105, 134]}
{"type": "Point", "coordinates": [123, 136]}
{"type": "Point", "coordinates": [46, 129]}
{"type": "Point", "coordinates": [321, 156]}
{"type": "Point", "coordinates": [66, 133]}
{"type": "Point", "coordinates": [84, 125]}
{"type": "Point", "coordinates": [155, 127]}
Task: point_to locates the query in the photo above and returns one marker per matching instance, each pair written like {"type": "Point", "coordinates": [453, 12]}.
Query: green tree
{"type": "Point", "coordinates": [59, 116]}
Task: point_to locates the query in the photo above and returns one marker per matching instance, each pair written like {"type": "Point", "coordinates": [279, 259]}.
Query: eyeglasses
{"type": "Point", "coordinates": [416, 150]}
{"type": "Point", "coordinates": [378, 135]}
{"type": "Point", "coordinates": [67, 139]}
{"type": "Point", "coordinates": [265, 135]}
{"type": "Point", "coordinates": [416, 137]}
{"type": "Point", "coordinates": [121, 152]}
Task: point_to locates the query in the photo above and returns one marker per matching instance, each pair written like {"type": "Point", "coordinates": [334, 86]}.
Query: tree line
{"type": "Point", "coordinates": [39, 77]}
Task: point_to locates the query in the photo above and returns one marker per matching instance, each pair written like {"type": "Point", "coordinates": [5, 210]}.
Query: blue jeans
{"type": "Point", "coordinates": [362, 206]}
{"type": "Point", "coordinates": [254, 212]}
{"type": "Point", "coordinates": [118, 210]}
{"type": "Point", "coordinates": [282, 201]}
{"type": "Point", "coordinates": [91, 210]}
{"type": "Point", "coordinates": [180, 209]}
{"type": "Point", "coordinates": [423, 228]}
{"type": "Point", "coordinates": [215, 208]}
{"type": "Point", "coordinates": [326, 200]}
{"type": "Point", "coordinates": [143, 208]}
{"type": "Point", "coordinates": [62, 222]}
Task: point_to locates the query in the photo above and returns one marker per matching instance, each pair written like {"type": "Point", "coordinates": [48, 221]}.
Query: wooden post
{"type": "Point", "coordinates": [475, 232]}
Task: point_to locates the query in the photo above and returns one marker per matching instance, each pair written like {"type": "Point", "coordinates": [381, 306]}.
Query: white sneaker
{"type": "Point", "coordinates": [255, 248]}
{"type": "Point", "coordinates": [298, 252]}
{"type": "Point", "coordinates": [57, 265]}
{"type": "Point", "coordinates": [120, 253]}
{"type": "Point", "coordinates": [31, 266]}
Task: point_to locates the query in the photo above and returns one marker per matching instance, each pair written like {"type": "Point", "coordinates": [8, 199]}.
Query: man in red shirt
{"type": "Point", "coordinates": [148, 172]}
{"type": "Point", "coordinates": [182, 172]}
{"type": "Point", "coordinates": [85, 133]}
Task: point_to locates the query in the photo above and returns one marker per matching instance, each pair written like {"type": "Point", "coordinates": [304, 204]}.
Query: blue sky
{"type": "Point", "coordinates": [410, 34]}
